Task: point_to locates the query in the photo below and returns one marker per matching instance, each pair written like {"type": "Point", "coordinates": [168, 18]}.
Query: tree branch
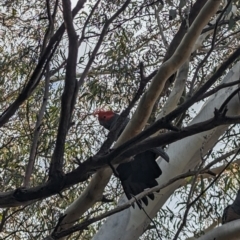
{"type": "Point", "coordinates": [22, 196]}
{"type": "Point", "coordinates": [36, 133]}
{"type": "Point", "coordinates": [68, 95]}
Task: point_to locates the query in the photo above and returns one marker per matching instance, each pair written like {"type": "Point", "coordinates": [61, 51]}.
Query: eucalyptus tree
{"type": "Point", "coordinates": [172, 67]}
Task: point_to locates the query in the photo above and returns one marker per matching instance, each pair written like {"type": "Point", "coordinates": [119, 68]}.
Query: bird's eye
{"type": "Point", "coordinates": [104, 116]}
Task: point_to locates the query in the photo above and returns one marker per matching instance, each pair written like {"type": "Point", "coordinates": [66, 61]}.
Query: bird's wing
{"type": "Point", "coordinates": [139, 174]}
{"type": "Point", "coordinates": [230, 214]}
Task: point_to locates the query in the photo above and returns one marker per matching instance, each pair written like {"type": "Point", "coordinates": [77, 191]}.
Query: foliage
{"type": "Point", "coordinates": [113, 79]}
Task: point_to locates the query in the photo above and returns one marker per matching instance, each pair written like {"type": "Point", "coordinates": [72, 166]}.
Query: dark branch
{"type": "Point", "coordinates": [216, 89]}
{"type": "Point", "coordinates": [22, 196]}
{"type": "Point", "coordinates": [68, 93]}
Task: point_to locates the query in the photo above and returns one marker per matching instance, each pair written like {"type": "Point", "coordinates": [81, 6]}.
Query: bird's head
{"type": "Point", "coordinates": [106, 118]}
{"type": "Point", "coordinates": [104, 115]}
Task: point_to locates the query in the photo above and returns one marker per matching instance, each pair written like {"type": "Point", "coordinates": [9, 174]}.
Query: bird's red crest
{"type": "Point", "coordinates": [104, 114]}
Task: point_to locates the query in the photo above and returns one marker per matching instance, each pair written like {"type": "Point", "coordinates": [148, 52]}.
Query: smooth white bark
{"type": "Point", "coordinates": [229, 231]}
{"type": "Point", "coordinates": [177, 91]}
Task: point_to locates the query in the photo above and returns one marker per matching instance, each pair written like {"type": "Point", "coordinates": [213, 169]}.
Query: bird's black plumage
{"type": "Point", "coordinates": [232, 212]}
{"type": "Point", "coordinates": [140, 173]}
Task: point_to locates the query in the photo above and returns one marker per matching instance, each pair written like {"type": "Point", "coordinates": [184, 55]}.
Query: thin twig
{"type": "Point", "coordinates": [216, 89]}
{"type": "Point", "coordinates": [36, 133]}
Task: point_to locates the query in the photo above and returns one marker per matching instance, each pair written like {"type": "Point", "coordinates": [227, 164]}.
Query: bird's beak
{"type": "Point", "coordinates": [160, 152]}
